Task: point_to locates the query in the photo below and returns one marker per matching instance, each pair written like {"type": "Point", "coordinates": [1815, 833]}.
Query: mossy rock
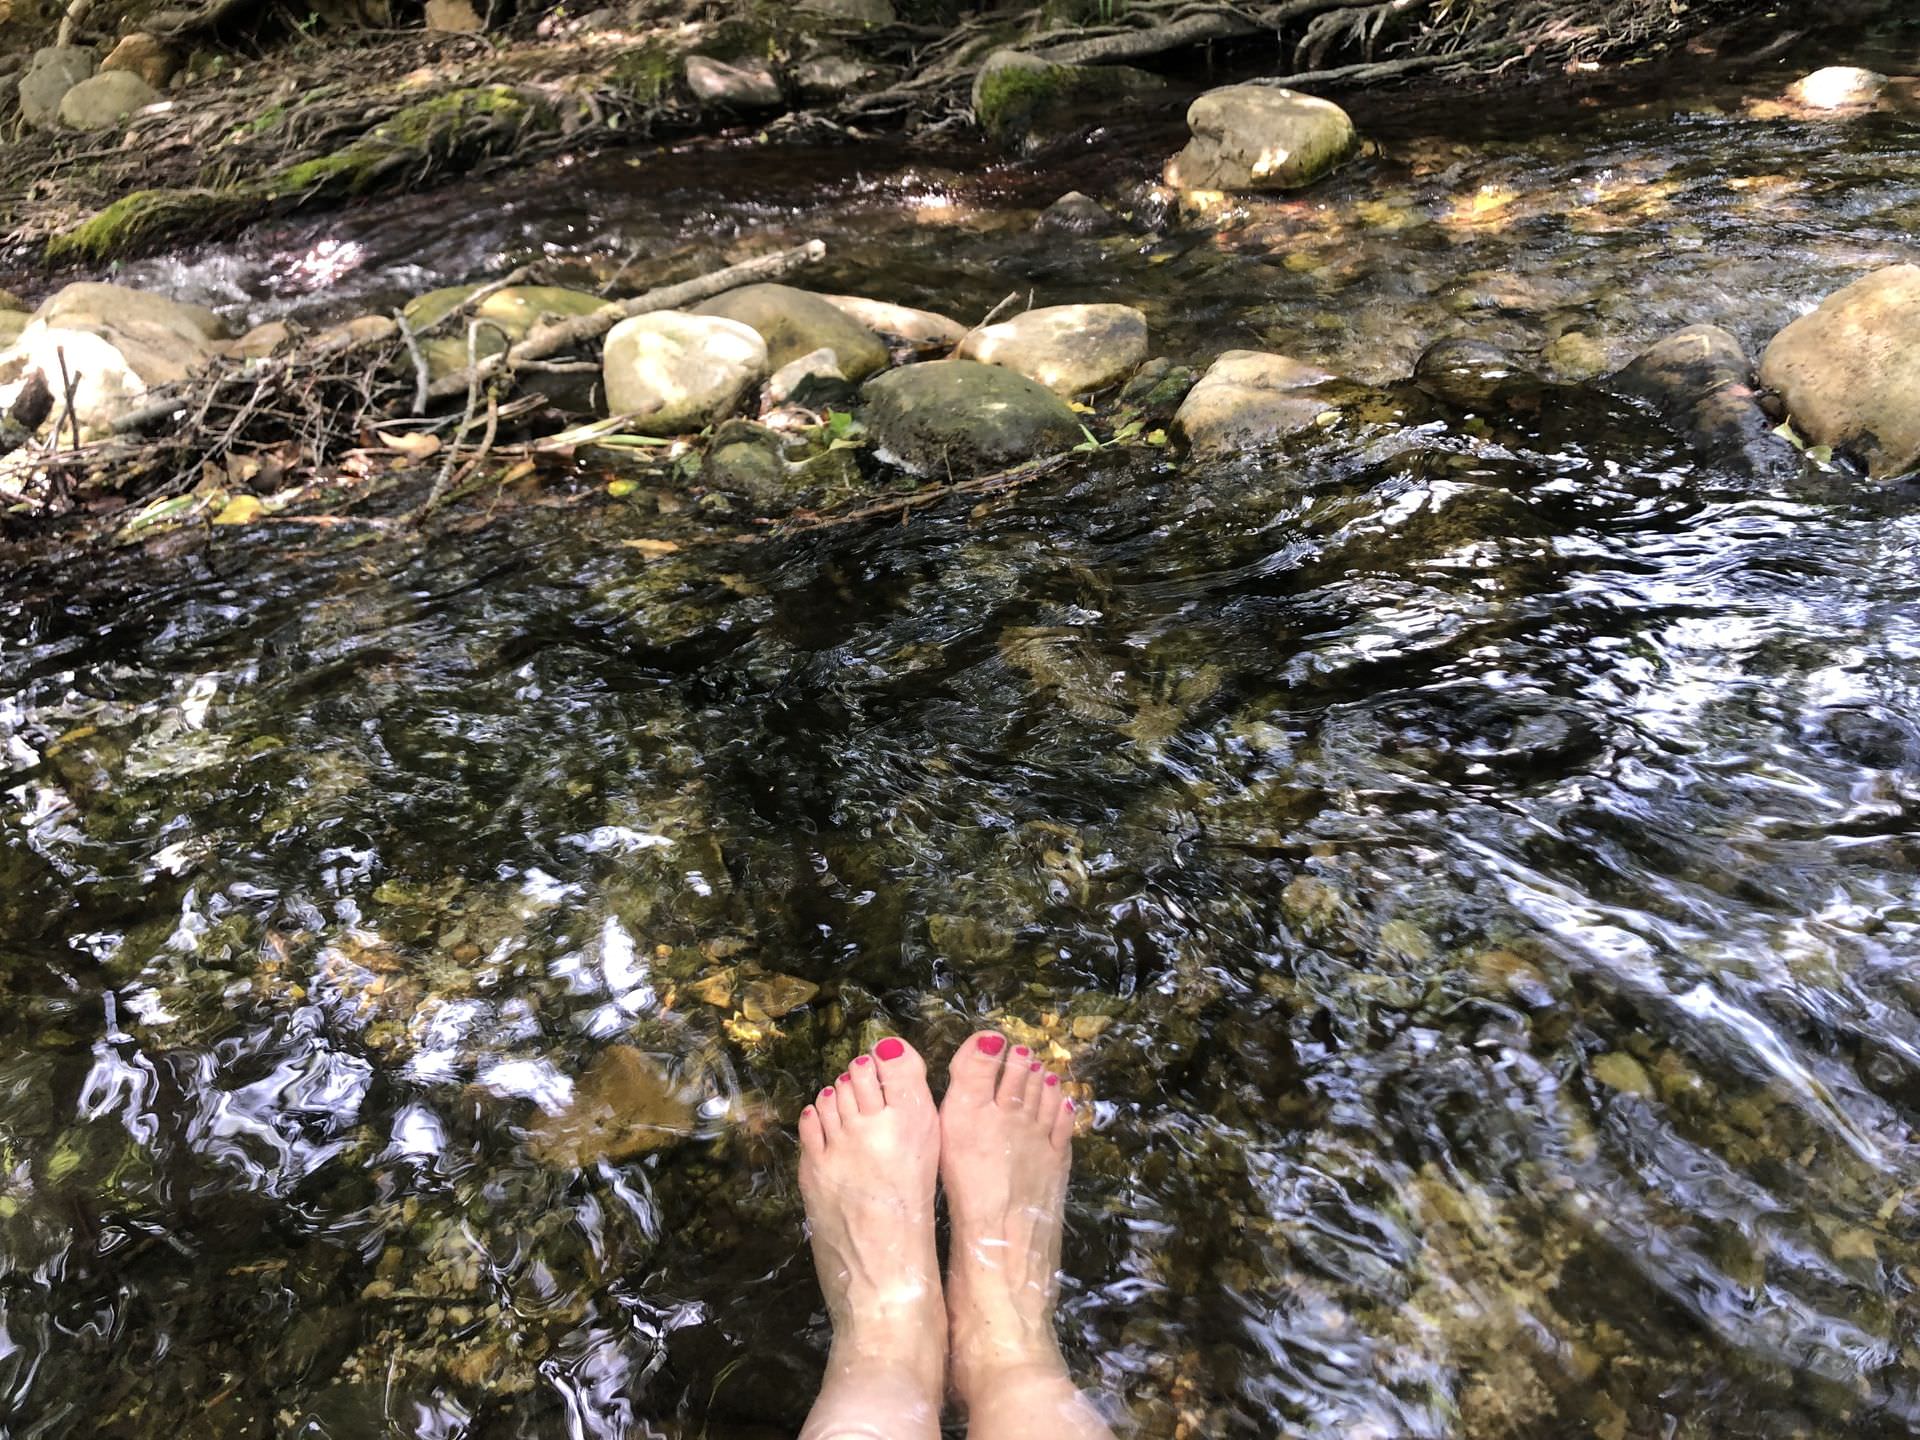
{"type": "Point", "coordinates": [509, 315]}
{"type": "Point", "coordinates": [1022, 101]}
{"type": "Point", "coordinates": [433, 135]}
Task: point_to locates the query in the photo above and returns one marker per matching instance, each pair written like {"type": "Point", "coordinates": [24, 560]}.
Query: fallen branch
{"type": "Point", "coordinates": [546, 340]}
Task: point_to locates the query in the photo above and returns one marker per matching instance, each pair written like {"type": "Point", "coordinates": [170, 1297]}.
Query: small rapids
{"type": "Point", "coordinates": [1470, 866]}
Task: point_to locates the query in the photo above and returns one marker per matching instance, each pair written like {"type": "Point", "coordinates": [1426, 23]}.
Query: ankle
{"type": "Point", "coordinates": [1000, 1368]}
{"type": "Point", "coordinates": [907, 1349]}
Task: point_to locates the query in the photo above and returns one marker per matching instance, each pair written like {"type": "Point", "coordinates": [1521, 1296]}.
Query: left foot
{"type": "Point", "coordinates": [869, 1156]}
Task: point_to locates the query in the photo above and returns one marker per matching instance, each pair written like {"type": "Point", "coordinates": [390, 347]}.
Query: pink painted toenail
{"type": "Point", "coordinates": [1034, 1066]}
{"type": "Point", "coordinates": [1053, 1079]}
{"type": "Point", "coordinates": [992, 1044]}
{"type": "Point", "coordinates": [1021, 1050]}
{"type": "Point", "coordinates": [827, 1094]}
{"type": "Point", "coordinates": [863, 1059]}
{"type": "Point", "coordinates": [890, 1049]}
{"type": "Point", "coordinates": [845, 1078]}
{"type": "Point", "coordinates": [1067, 1103]}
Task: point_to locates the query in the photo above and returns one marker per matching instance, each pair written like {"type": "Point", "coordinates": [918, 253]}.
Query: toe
{"type": "Point", "coordinates": [903, 1074]}
{"type": "Point", "coordinates": [1062, 1133]}
{"type": "Point", "coordinates": [1036, 1082]}
{"type": "Point", "coordinates": [865, 1084]}
{"type": "Point", "coordinates": [826, 1106]}
{"type": "Point", "coordinates": [1013, 1078]}
{"type": "Point", "coordinates": [849, 1102]}
{"type": "Point", "coordinates": [975, 1068]}
{"type": "Point", "coordinates": [813, 1138]}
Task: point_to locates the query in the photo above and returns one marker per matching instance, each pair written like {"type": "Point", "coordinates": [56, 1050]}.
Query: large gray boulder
{"type": "Point", "coordinates": [1260, 137]}
{"type": "Point", "coordinates": [1698, 380]}
{"type": "Point", "coordinates": [52, 72]}
{"type": "Point", "coordinates": [104, 101]}
{"type": "Point", "coordinates": [964, 418]}
{"type": "Point", "coordinates": [117, 343]}
{"type": "Point", "coordinates": [1070, 349]}
{"type": "Point", "coordinates": [1850, 371]}
{"type": "Point", "coordinates": [747, 85]}
{"type": "Point", "coordinates": [797, 322]}
{"type": "Point", "coordinates": [678, 373]}
{"type": "Point", "coordinates": [1250, 398]}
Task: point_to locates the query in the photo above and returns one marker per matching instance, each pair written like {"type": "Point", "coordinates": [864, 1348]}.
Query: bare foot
{"type": "Point", "coordinates": [1005, 1130]}
{"type": "Point", "coordinates": [869, 1155]}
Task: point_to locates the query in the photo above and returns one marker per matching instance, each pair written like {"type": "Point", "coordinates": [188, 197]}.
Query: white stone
{"type": "Point", "coordinates": [677, 373]}
{"type": "Point", "coordinates": [1070, 349]}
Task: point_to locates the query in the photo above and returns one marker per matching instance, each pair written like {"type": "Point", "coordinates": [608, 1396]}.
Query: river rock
{"type": "Point", "coordinates": [1838, 87]}
{"type": "Point", "coordinates": [1697, 381]}
{"type": "Point", "coordinates": [796, 322]}
{"type": "Point", "coordinates": [624, 1105]}
{"type": "Point", "coordinates": [1070, 349]}
{"type": "Point", "coordinates": [814, 379]}
{"type": "Point", "coordinates": [828, 77]}
{"type": "Point", "coordinates": [117, 342]}
{"type": "Point", "coordinates": [1850, 372]}
{"type": "Point", "coordinates": [866, 12]}
{"type": "Point", "coordinates": [1154, 393]}
{"type": "Point", "coordinates": [748, 460]}
{"type": "Point", "coordinates": [510, 315]}
{"type": "Point", "coordinates": [749, 85]}
{"type": "Point", "coordinates": [964, 417]}
{"type": "Point", "coordinates": [53, 71]}
{"type": "Point", "coordinates": [12, 322]}
{"type": "Point", "coordinates": [1075, 214]}
{"type": "Point", "coordinates": [360, 330]}
{"type": "Point", "coordinates": [678, 372]}
{"type": "Point", "coordinates": [261, 341]}
{"type": "Point", "coordinates": [915, 329]}
{"type": "Point", "coordinates": [454, 15]}
{"type": "Point", "coordinates": [1250, 398]}
{"type": "Point", "coordinates": [104, 101]}
{"type": "Point", "coordinates": [147, 56]}
{"type": "Point", "coordinates": [1260, 137]}
{"type": "Point", "coordinates": [1022, 101]}
{"type": "Point", "coordinates": [1468, 373]}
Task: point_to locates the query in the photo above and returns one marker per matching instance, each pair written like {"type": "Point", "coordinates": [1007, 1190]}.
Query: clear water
{"type": "Point", "coordinates": [1472, 864]}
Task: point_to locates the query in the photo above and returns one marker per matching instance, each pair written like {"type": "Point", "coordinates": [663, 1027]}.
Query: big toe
{"type": "Point", "coordinates": [975, 1068]}
{"type": "Point", "coordinates": [903, 1074]}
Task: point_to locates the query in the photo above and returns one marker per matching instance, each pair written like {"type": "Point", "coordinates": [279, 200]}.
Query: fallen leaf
{"type": "Point", "coordinates": [415, 445]}
{"type": "Point", "coordinates": [652, 547]}
{"type": "Point", "coordinates": [241, 510]}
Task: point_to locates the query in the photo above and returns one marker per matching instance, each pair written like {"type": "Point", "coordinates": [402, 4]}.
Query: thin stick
{"type": "Point", "coordinates": [545, 340]}
{"type": "Point", "coordinates": [421, 379]}
{"type": "Point", "coordinates": [988, 319]}
{"type": "Point", "coordinates": [67, 385]}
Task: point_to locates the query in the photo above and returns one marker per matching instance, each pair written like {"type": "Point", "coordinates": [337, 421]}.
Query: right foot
{"type": "Point", "coordinates": [869, 1153]}
{"type": "Point", "coordinates": [1005, 1132]}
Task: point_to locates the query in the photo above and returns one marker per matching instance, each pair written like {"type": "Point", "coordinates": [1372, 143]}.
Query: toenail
{"type": "Point", "coordinates": [862, 1059]}
{"type": "Point", "coordinates": [1067, 1103]}
{"type": "Point", "coordinates": [1021, 1050]}
{"type": "Point", "coordinates": [1034, 1066]}
{"type": "Point", "coordinates": [827, 1094]}
{"type": "Point", "coordinates": [845, 1079]}
{"type": "Point", "coordinates": [1053, 1079]}
{"type": "Point", "coordinates": [992, 1044]}
{"type": "Point", "coordinates": [890, 1049]}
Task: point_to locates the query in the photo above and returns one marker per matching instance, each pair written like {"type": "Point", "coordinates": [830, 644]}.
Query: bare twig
{"type": "Point", "coordinates": [545, 340]}
{"type": "Point", "coordinates": [421, 377]}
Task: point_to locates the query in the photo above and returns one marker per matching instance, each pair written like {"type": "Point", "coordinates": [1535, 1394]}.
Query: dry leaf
{"type": "Point", "coordinates": [623, 1106]}
{"type": "Point", "coordinates": [415, 445]}
{"type": "Point", "coordinates": [241, 510]}
{"type": "Point", "coordinates": [652, 547]}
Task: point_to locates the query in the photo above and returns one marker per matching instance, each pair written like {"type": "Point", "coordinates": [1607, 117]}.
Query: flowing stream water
{"type": "Point", "coordinates": [1470, 865]}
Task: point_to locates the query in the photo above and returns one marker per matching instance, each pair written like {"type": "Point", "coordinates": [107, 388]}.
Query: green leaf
{"type": "Point", "coordinates": [839, 424]}
{"type": "Point", "coordinates": [1127, 431]}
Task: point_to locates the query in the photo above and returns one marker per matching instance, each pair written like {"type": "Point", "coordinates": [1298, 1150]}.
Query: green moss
{"type": "Point", "coordinates": [142, 218]}
{"type": "Point", "coordinates": [647, 73]}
